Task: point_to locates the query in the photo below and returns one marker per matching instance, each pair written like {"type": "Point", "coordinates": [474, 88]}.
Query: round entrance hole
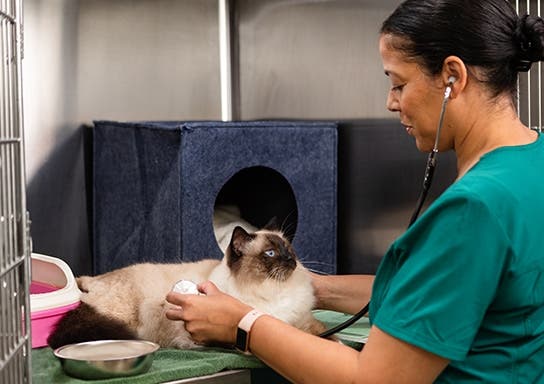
{"type": "Point", "coordinates": [258, 195]}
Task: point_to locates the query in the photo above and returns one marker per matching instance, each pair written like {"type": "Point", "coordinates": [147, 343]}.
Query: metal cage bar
{"type": "Point", "coordinates": [530, 84]}
{"type": "Point", "coordinates": [15, 338]}
{"type": "Point", "coordinates": [225, 59]}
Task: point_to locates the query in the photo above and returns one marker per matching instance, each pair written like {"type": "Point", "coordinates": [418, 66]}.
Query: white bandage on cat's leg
{"type": "Point", "coordinates": [186, 286]}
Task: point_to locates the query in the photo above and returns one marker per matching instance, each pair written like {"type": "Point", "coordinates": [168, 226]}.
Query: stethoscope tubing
{"type": "Point", "coordinates": [427, 181]}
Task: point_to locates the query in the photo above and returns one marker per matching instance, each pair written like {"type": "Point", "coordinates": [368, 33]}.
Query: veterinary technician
{"type": "Point", "coordinates": [459, 297]}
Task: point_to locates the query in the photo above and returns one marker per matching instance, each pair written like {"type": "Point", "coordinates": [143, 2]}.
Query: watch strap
{"type": "Point", "coordinates": [244, 328]}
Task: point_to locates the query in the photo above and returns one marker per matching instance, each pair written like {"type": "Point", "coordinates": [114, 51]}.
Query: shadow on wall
{"type": "Point", "coordinates": [380, 174]}
{"type": "Point", "coordinates": [59, 200]}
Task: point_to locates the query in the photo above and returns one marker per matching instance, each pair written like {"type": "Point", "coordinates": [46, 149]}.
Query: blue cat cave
{"type": "Point", "coordinates": [156, 185]}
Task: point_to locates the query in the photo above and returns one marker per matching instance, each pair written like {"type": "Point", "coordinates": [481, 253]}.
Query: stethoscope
{"type": "Point", "coordinates": [427, 180]}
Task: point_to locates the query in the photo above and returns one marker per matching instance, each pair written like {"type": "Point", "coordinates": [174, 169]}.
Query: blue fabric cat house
{"type": "Point", "coordinates": [156, 184]}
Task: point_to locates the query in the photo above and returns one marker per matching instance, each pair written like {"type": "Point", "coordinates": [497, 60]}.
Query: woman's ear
{"type": "Point", "coordinates": [454, 69]}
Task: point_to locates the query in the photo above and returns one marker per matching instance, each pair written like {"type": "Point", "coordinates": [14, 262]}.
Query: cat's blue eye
{"type": "Point", "coordinates": [270, 253]}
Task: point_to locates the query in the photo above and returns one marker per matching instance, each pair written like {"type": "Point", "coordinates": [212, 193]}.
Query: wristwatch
{"type": "Point", "coordinates": [244, 326]}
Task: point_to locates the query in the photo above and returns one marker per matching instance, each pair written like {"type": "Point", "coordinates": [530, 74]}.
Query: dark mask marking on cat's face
{"type": "Point", "coordinates": [259, 256]}
{"type": "Point", "coordinates": [279, 259]}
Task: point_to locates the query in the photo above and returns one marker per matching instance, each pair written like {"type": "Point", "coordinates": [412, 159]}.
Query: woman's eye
{"type": "Point", "coordinates": [270, 253]}
{"type": "Point", "coordinates": [397, 88]}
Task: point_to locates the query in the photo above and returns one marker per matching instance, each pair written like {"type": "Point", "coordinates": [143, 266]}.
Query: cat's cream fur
{"type": "Point", "coordinates": [135, 295]}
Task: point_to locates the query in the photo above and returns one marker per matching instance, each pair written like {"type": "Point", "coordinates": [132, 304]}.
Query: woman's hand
{"type": "Point", "coordinates": [209, 318]}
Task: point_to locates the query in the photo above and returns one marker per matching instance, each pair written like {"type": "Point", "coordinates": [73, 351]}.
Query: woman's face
{"type": "Point", "coordinates": [413, 94]}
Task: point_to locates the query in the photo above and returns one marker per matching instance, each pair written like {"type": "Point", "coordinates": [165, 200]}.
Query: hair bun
{"type": "Point", "coordinates": [529, 34]}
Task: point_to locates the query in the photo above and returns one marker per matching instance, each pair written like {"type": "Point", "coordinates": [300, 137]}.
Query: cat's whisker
{"type": "Point", "coordinates": [316, 262]}
{"type": "Point", "coordinates": [278, 275]}
{"type": "Point", "coordinates": [285, 220]}
{"type": "Point", "coordinates": [287, 228]}
{"type": "Point", "coordinates": [308, 261]}
{"type": "Point", "coordinates": [317, 271]}
{"type": "Point", "coordinates": [308, 264]}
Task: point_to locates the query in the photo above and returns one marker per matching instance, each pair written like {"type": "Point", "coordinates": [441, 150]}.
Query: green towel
{"type": "Point", "coordinates": [168, 365]}
{"type": "Point", "coordinates": [176, 364]}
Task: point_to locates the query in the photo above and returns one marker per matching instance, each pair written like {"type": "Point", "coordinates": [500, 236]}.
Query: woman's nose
{"type": "Point", "coordinates": [392, 103]}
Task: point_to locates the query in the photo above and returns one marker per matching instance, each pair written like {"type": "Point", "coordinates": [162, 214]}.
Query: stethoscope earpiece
{"type": "Point", "coordinates": [451, 80]}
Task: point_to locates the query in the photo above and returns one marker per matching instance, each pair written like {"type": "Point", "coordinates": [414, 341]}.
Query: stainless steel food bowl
{"type": "Point", "coordinates": [106, 359]}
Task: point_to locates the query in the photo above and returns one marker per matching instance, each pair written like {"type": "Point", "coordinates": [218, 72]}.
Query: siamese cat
{"type": "Point", "coordinates": [260, 269]}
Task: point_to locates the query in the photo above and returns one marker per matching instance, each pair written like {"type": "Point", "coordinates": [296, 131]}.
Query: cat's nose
{"type": "Point", "coordinates": [287, 256]}
{"type": "Point", "coordinates": [289, 260]}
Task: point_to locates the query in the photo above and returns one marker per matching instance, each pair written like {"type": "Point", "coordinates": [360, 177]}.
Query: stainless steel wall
{"type": "Point", "coordinates": [159, 60]}
{"type": "Point", "coordinates": [311, 59]}
{"type": "Point", "coordinates": [148, 60]}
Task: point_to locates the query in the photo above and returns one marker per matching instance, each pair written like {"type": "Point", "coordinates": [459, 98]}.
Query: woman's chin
{"type": "Point", "coordinates": [424, 146]}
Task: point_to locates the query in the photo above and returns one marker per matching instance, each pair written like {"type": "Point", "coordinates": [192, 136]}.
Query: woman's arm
{"type": "Point", "coordinates": [299, 356]}
{"type": "Point", "coordinates": [342, 293]}
{"type": "Point", "coordinates": [304, 358]}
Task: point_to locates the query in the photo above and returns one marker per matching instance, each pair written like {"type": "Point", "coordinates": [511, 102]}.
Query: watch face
{"type": "Point", "coordinates": [241, 340]}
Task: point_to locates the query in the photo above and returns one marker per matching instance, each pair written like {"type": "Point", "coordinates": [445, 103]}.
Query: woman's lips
{"type": "Point", "coordinates": [408, 129]}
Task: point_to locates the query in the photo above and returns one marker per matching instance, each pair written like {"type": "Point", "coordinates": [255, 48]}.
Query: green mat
{"type": "Point", "coordinates": [168, 365]}
{"type": "Point", "coordinates": [175, 364]}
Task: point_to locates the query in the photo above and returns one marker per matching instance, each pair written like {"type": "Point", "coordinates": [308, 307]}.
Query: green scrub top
{"type": "Point", "coordinates": [466, 281]}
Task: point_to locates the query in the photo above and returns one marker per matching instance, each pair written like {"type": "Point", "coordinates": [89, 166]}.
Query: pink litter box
{"type": "Point", "coordinates": [53, 292]}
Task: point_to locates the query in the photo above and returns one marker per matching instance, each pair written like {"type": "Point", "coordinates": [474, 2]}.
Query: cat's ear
{"type": "Point", "coordinates": [238, 241]}
{"type": "Point", "coordinates": [272, 224]}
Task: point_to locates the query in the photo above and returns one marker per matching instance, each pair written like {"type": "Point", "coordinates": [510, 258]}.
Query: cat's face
{"type": "Point", "coordinates": [261, 255]}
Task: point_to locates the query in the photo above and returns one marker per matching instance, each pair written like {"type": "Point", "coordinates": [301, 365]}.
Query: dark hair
{"type": "Point", "coordinates": [484, 33]}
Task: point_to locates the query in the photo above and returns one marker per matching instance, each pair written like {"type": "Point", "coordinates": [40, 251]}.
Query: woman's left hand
{"type": "Point", "coordinates": [209, 318]}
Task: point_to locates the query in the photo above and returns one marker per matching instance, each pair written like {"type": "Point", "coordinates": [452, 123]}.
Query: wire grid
{"type": "Point", "coordinates": [15, 343]}
{"type": "Point", "coordinates": [530, 84]}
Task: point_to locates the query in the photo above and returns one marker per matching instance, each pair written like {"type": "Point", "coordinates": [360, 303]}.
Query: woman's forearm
{"type": "Point", "coordinates": [301, 357]}
{"type": "Point", "coordinates": [342, 293]}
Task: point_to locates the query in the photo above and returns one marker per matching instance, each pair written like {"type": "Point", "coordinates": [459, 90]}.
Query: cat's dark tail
{"type": "Point", "coordinates": [84, 323]}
